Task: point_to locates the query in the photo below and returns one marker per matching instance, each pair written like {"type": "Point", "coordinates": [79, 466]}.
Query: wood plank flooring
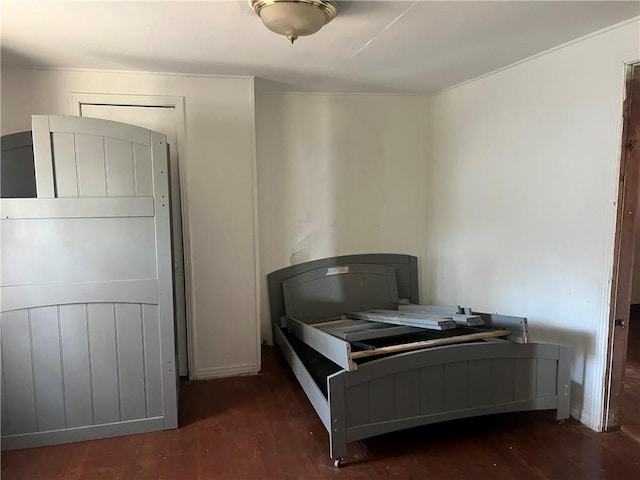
{"type": "Point", "coordinates": [263, 427]}
{"type": "Point", "coordinates": [630, 413]}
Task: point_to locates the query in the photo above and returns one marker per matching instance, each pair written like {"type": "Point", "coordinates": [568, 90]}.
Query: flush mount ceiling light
{"type": "Point", "coordinates": [294, 18]}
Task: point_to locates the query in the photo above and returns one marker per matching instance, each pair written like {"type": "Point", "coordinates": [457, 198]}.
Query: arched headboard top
{"type": "Point", "coordinates": [376, 265]}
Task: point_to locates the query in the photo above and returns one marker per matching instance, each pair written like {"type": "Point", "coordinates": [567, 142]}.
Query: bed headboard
{"type": "Point", "coordinates": [378, 268]}
{"type": "Point", "coordinates": [17, 171]}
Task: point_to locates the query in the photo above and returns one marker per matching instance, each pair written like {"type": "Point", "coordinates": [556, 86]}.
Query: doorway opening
{"type": "Point", "coordinates": [622, 380]}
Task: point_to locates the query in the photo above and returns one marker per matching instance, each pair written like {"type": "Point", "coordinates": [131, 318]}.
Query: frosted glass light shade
{"type": "Point", "coordinates": [295, 18]}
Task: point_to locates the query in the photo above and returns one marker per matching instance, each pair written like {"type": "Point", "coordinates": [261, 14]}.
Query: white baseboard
{"type": "Point", "coordinates": [583, 417]}
{"type": "Point", "coordinates": [226, 371]}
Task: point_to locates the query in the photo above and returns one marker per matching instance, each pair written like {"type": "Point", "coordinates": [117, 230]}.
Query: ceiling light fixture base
{"type": "Point", "coordinates": [295, 18]}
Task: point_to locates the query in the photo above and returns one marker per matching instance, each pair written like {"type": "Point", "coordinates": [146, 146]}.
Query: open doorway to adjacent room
{"type": "Point", "coordinates": [622, 385]}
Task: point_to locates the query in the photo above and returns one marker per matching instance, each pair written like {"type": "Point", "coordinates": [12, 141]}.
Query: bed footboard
{"type": "Point", "coordinates": [446, 383]}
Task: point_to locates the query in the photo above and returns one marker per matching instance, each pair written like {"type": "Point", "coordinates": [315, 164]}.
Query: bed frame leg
{"type": "Point", "coordinates": [337, 425]}
{"type": "Point", "coordinates": [564, 383]}
{"type": "Point", "coordinates": [337, 452]}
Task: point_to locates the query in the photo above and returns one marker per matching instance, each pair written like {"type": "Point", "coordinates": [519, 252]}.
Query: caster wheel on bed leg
{"type": "Point", "coordinates": [337, 462]}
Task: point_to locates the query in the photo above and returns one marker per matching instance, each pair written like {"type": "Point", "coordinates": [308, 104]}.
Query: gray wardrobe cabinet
{"type": "Point", "coordinates": [86, 322]}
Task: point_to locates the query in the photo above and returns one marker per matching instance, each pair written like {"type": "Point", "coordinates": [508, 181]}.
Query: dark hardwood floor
{"type": "Point", "coordinates": [630, 413]}
{"type": "Point", "coordinates": [263, 427]}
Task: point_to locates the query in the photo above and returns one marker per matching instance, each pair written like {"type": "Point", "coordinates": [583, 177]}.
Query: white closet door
{"type": "Point", "coordinates": [159, 119]}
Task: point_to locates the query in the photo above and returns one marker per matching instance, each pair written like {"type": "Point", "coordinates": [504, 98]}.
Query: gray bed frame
{"type": "Point", "coordinates": [359, 399]}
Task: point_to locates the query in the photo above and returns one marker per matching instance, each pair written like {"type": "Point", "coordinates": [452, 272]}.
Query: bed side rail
{"type": "Point", "coordinates": [518, 326]}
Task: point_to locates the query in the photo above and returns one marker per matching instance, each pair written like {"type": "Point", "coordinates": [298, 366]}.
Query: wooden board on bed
{"type": "Point", "coordinates": [436, 342]}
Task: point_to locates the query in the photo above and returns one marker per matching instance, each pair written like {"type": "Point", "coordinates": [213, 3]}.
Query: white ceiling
{"type": "Point", "coordinates": [379, 46]}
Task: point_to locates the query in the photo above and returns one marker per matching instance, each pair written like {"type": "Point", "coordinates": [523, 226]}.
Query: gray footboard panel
{"type": "Point", "coordinates": [451, 382]}
{"type": "Point", "coordinates": [435, 385]}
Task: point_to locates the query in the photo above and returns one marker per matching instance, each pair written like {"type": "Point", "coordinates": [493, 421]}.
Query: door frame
{"type": "Point", "coordinates": [162, 101]}
{"type": "Point", "coordinates": [624, 248]}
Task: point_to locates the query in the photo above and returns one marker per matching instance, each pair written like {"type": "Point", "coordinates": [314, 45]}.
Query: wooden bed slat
{"type": "Point", "coordinates": [429, 343]}
{"type": "Point", "coordinates": [360, 330]}
{"type": "Point", "coordinates": [399, 318]}
{"type": "Point", "coordinates": [443, 311]}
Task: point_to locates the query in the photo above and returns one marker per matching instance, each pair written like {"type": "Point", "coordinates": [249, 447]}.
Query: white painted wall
{"type": "Point", "coordinates": [218, 170]}
{"type": "Point", "coordinates": [521, 194]}
{"type": "Point", "coordinates": [339, 174]}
